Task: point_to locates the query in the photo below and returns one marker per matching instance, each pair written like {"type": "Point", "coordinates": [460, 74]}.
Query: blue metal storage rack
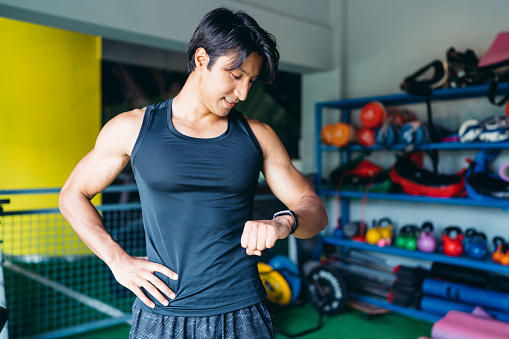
{"type": "Point", "coordinates": [346, 106]}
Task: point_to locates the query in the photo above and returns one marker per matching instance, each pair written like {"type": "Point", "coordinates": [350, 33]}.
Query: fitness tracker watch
{"type": "Point", "coordinates": [293, 215]}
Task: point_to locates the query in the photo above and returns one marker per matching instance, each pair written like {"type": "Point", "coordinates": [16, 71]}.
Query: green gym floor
{"type": "Point", "coordinates": [350, 324]}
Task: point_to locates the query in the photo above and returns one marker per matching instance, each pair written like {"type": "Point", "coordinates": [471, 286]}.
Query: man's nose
{"type": "Point", "coordinates": [241, 90]}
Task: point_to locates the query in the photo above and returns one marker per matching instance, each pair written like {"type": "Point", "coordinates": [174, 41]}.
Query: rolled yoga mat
{"type": "Point", "coordinates": [467, 294]}
{"type": "Point", "coordinates": [442, 306]}
{"type": "Point", "coordinates": [467, 326]}
{"type": "Point", "coordinates": [459, 274]}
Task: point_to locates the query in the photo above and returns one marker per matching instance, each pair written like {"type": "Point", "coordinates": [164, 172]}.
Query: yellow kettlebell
{"type": "Point", "coordinates": [381, 231]}
{"type": "Point", "coordinates": [373, 234]}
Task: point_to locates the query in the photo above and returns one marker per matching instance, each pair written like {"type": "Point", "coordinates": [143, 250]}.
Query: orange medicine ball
{"type": "Point", "coordinates": [339, 134]}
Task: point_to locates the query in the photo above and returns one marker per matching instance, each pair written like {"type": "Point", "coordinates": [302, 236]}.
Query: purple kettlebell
{"type": "Point", "coordinates": [427, 241]}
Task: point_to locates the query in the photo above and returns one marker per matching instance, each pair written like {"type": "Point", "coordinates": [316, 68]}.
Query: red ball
{"type": "Point", "coordinates": [367, 137]}
{"type": "Point", "coordinates": [373, 115]}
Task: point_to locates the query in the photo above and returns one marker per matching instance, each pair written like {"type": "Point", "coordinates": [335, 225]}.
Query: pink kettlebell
{"type": "Point", "coordinates": [427, 241]}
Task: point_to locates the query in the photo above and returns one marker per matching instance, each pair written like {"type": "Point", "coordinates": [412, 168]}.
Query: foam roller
{"type": "Point", "coordinates": [467, 294]}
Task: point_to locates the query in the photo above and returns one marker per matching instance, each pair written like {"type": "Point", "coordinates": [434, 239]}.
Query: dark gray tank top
{"type": "Point", "coordinates": [196, 194]}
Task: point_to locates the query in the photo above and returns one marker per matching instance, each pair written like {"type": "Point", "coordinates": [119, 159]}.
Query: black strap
{"type": "Point", "coordinates": [493, 92]}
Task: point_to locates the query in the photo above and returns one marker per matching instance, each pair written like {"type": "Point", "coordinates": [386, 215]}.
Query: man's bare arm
{"type": "Point", "coordinates": [92, 175]}
{"type": "Point", "coordinates": [291, 188]}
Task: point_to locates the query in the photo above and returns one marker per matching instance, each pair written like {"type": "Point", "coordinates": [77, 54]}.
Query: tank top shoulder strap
{"type": "Point", "coordinates": [240, 120]}
{"type": "Point", "coordinates": [151, 113]}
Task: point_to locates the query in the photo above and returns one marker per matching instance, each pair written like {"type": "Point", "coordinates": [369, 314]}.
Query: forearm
{"type": "Point", "coordinates": [312, 216]}
{"type": "Point", "coordinates": [88, 225]}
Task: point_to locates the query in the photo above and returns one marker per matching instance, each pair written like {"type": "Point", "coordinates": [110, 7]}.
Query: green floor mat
{"type": "Point", "coordinates": [351, 324]}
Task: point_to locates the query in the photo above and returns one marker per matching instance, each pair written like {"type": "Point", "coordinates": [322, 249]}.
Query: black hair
{"type": "Point", "coordinates": [224, 32]}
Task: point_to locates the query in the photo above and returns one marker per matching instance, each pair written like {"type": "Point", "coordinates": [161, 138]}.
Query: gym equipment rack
{"type": "Point", "coordinates": [346, 106]}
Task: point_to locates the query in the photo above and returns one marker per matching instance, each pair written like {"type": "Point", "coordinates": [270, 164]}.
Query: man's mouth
{"type": "Point", "coordinates": [229, 103]}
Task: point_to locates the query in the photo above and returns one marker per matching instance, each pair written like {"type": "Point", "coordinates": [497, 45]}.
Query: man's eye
{"type": "Point", "coordinates": [236, 77]}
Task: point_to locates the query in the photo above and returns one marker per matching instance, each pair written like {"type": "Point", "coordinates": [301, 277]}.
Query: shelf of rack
{"type": "Point", "coordinates": [485, 265]}
{"type": "Point", "coordinates": [446, 94]}
{"type": "Point", "coordinates": [411, 312]}
{"type": "Point", "coordinates": [444, 146]}
{"type": "Point", "coordinates": [503, 204]}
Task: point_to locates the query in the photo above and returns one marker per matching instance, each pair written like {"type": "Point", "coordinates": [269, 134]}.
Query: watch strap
{"type": "Point", "coordinates": [292, 214]}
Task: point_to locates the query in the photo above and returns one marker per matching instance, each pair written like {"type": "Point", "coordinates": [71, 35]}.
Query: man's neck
{"type": "Point", "coordinates": [191, 117]}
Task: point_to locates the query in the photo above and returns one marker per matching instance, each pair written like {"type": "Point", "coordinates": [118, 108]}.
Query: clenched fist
{"type": "Point", "coordinates": [262, 234]}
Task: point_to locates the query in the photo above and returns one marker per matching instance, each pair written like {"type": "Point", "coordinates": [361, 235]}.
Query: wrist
{"type": "Point", "coordinates": [291, 217]}
{"type": "Point", "coordinates": [287, 224]}
{"type": "Point", "coordinates": [115, 256]}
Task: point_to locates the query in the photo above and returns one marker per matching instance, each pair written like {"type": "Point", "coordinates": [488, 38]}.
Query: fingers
{"type": "Point", "coordinates": [150, 287]}
{"type": "Point", "coordinates": [164, 270]}
{"type": "Point", "coordinates": [258, 236]}
{"type": "Point", "coordinates": [144, 299]}
{"type": "Point", "coordinates": [249, 252]}
{"type": "Point", "coordinates": [138, 273]}
{"type": "Point", "coordinates": [155, 286]}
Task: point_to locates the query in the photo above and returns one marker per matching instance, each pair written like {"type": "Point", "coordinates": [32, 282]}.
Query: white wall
{"type": "Point", "coordinates": [322, 86]}
{"type": "Point", "coordinates": [388, 40]}
{"type": "Point", "coordinates": [301, 29]}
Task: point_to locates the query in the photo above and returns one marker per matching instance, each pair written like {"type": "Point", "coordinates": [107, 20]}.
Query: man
{"type": "Point", "coordinates": [196, 162]}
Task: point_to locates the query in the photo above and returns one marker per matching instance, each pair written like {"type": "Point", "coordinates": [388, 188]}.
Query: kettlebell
{"type": "Point", "coordinates": [427, 241]}
{"type": "Point", "coordinates": [385, 231]}
{"type": "Point", "coordinates": [351, 229]}
{"type": "Point", "coordinates": [500, 250]}
{"type": "Point", "coordinates": [452, 241]}
{"type": "Point", "coordinates": [477, 246]}
{"type": "Point", "coordinates": [407, 237]}
{"type": "Point", "coordinates": [385, 228]}
{"type": "Point", "coordinates": [469, 235]}
{"type": "Point", "coordinates": [373, 234]}
{"type": "Point", "coordinates": [380, 233]}
{"type": "Point", "coordinates": [504, 256]}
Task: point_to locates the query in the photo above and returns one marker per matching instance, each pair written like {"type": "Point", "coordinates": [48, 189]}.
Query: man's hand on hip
{"type": "Point", "coordinates": [135, 273]}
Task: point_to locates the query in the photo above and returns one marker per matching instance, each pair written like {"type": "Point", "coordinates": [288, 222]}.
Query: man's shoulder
{"type": "Point", "coordinates": [122, 131]}
{"type": "Point", "coordinates": [126, 123]}
{"type": "Point", "coordinates": [258, 127]}
{"type": "Point", "coordinates": [133, 117]}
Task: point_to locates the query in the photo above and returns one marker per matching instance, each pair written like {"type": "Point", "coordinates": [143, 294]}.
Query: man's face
{"type": "Point", "coordinates": [221, 89]}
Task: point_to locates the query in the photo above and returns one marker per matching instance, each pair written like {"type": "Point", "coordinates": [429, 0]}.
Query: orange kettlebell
{"type": "Point", "coordinates": [501, 254]}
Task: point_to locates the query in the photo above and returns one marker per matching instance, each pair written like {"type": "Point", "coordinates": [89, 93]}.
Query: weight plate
{"type": "Point", "coordinates": [290, 272]}
{"type": "Point", "coordinates": [327, 290]}
{"type": "Point", "coordinates": [278, 290]}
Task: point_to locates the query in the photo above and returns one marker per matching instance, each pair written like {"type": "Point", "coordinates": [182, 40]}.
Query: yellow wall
{"type": "Point", "coordinates": [50, 91]}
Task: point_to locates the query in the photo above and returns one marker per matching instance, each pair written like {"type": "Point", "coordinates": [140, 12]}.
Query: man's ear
{"type": "Point", "coordinates": [201, 58]}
